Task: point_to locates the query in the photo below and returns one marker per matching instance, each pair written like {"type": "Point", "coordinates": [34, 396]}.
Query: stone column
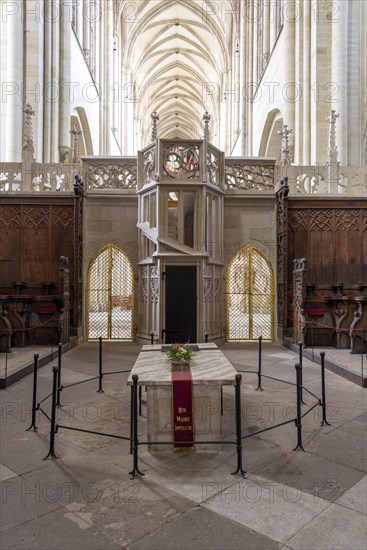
{"type": "Point", "coordinates": [55, 78]}
{"type": "Point", "coordinates": [242, 55]}
{"type": "Point", "coordinates": [86, 36]}
{"type": "Point", "coordinates": [272, 24]}
{"type": "Point", "coordinates": [340, 74]}
{"type": "Point", "coordinates": [108, 93]}
{"type": "Point", "coordinates": [33, 69]}
{"type": "Point", "coordinates": [11, 67]}
{"type": "Point", "coordinates": [249, 77]}
{"type": "Point", "coordinates": [266, 30]}
{"type": "Point", "coordinates": [47, 77]}
{"type": "Point", "coordinates": [65, 99]}
{"type": "Point", "coordinates": [101, 77]}
{"type": "Point", "coordinates": [289, 90]}
{"type": "Point", "coordinates": [306, 77]}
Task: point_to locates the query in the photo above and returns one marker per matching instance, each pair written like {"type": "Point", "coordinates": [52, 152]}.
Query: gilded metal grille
{"type": "Point", "coordinates": [109, 295]}
{"type": "Point", "coordinates": [250, 305]}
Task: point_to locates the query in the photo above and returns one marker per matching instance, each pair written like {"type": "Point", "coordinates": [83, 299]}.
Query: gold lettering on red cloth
{"type": "Point", "coordinates": [182, 409]}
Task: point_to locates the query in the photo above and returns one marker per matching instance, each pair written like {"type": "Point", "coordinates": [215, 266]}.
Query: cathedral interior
{"type": "Point", "coordinates": [181, 158]}
{"type": "Point", "coordinates": [183, 171]}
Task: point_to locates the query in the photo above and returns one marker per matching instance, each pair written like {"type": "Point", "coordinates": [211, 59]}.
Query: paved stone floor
{"type": "Point", "coordinates": [86, 500]}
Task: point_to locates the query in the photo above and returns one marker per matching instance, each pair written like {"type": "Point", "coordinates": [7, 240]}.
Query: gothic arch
{"type": "Point", "coordinates": [79, 118]}
{"type": "Point", "coordinates": [110, 295]}
{"type": "Point", "coordinates": [270, 144]}
{"type": "Point", "coordinates": [250, 296]}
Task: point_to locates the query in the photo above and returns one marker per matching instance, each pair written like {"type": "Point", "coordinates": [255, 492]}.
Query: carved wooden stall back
{"type": "Point", "coordinates": [332, 235]}
{"type": "Point", "coordinates": [34, 233]}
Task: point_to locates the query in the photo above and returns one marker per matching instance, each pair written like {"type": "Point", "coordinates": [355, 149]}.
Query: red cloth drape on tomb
{"type": "Point", "coordinates": [182, 409]}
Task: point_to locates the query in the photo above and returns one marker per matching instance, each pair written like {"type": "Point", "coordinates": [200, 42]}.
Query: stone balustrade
{"type": "Point", "coordinates": [35, 177]}
{"type": "Point", "coordinates": [325, 180]}
{"type": "Point", "coordinates": [109, 173]}
{"type": "Point", "coordinates": [249, 175]}
{"type": "Point", "coordinates": [234, 175]}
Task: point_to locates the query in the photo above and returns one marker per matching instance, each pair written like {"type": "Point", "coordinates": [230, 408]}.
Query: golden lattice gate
{"type": "Point", "coordinates": [109, 295]}
{"type": "Point", "coordinates": [250, 292]}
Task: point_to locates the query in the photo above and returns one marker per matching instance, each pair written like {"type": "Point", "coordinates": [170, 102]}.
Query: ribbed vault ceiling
{"type": "Point", "coordinates": [174, 52]}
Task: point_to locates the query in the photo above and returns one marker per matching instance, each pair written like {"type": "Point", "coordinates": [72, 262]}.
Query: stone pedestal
{"type": "Point", "coordinates": [210, 370]}
{"type": "Point", "coordinates": [207, 417]}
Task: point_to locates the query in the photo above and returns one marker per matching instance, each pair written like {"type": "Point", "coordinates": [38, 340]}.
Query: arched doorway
{"type": "Point", "coordinates": [110, 295]}
{"type": "Point", "coordinates": [250, 291]}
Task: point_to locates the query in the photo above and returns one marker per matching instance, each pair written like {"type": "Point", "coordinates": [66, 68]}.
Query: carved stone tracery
{"type": "Point", "coordinates": [249, 177]}
{"type": "Point", "coordinates": [112, 176]}
{"type": "Point", "coordinates": [207, 285]}
{"type": "Point", "coordinates": [154, 284]}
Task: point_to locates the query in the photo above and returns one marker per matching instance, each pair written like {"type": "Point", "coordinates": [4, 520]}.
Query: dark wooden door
{"type": "Point", "coordinates": [180, 304]}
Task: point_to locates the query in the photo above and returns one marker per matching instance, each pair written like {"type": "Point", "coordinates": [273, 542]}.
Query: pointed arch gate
{"type": "Point", "coordinates": [110, 295]}
{"type": "Point", "coordinates": [250, 296]}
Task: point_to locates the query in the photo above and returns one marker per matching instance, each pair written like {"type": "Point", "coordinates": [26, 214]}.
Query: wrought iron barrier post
{"type": "Point", "coordinates": [53, 429]}
{"type": "Point", "coordinates": [58, 404]}
{"type": "Point", "coordinates": [299, 412]}
{"type": "Point", "coordinates": [34, 401]}
{"type": "Point", "coordinates": [323, 395]}
{"type": "Point", "coordinates": [100, 390]}
{"type": "Point", "coordinates": [300, 345]}
{"type": "Point", "coordinates": [206, 335]}
{"type": "Point", "coordinates": [260, 366]}
{"type": "Point", "coordinates": [131, 418]}
{"type": "Point", "coordinates": [135, 469]}
{"type": "Point", "coordinates": [238, 425]}
{"type": "Point", "coordinates": [151, 338]}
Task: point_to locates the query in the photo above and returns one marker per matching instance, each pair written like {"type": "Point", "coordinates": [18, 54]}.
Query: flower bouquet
{"type": "Point", "coordinates": [180, 355]}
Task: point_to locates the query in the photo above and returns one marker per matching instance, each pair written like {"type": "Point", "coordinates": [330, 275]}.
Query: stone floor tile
{"type": "Point", "coordinates": [356, 497]}
{"type": "Point", "coordinates": [275, 510]}
{"type": "Point", "coordinates": [196, 477]}
{"type": "Point", "coordinates": [346, 445]}
{"type": "Point", "coordinates": [337, 528]}
{"type": "Point", "coordinates": [55, 531]}
{"type": "Point", "coordinates": [106, 509]}
{"type": "Point", "coordinates": [22, 501]}
{"type": "Point", "coordinates": [130, 510]}
{"type": "Point", "coordinates": [27, 453]}
{"type": "Point", "coordinates": [121, 456]}
{"type": "Point", "coordinates": [201, 529]}
{"type": "Point", "coordinates": [6, 473]}
{"type": "Point", "coordinates": [81, 478]}
{"type": "Point", "coordinates": [311, 473]}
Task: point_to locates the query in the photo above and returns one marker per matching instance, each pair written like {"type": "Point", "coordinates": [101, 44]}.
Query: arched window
{"type": "Point", "coordinates": [110, 295]}
{"type": "Point", "coordinates": [250, 304]}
